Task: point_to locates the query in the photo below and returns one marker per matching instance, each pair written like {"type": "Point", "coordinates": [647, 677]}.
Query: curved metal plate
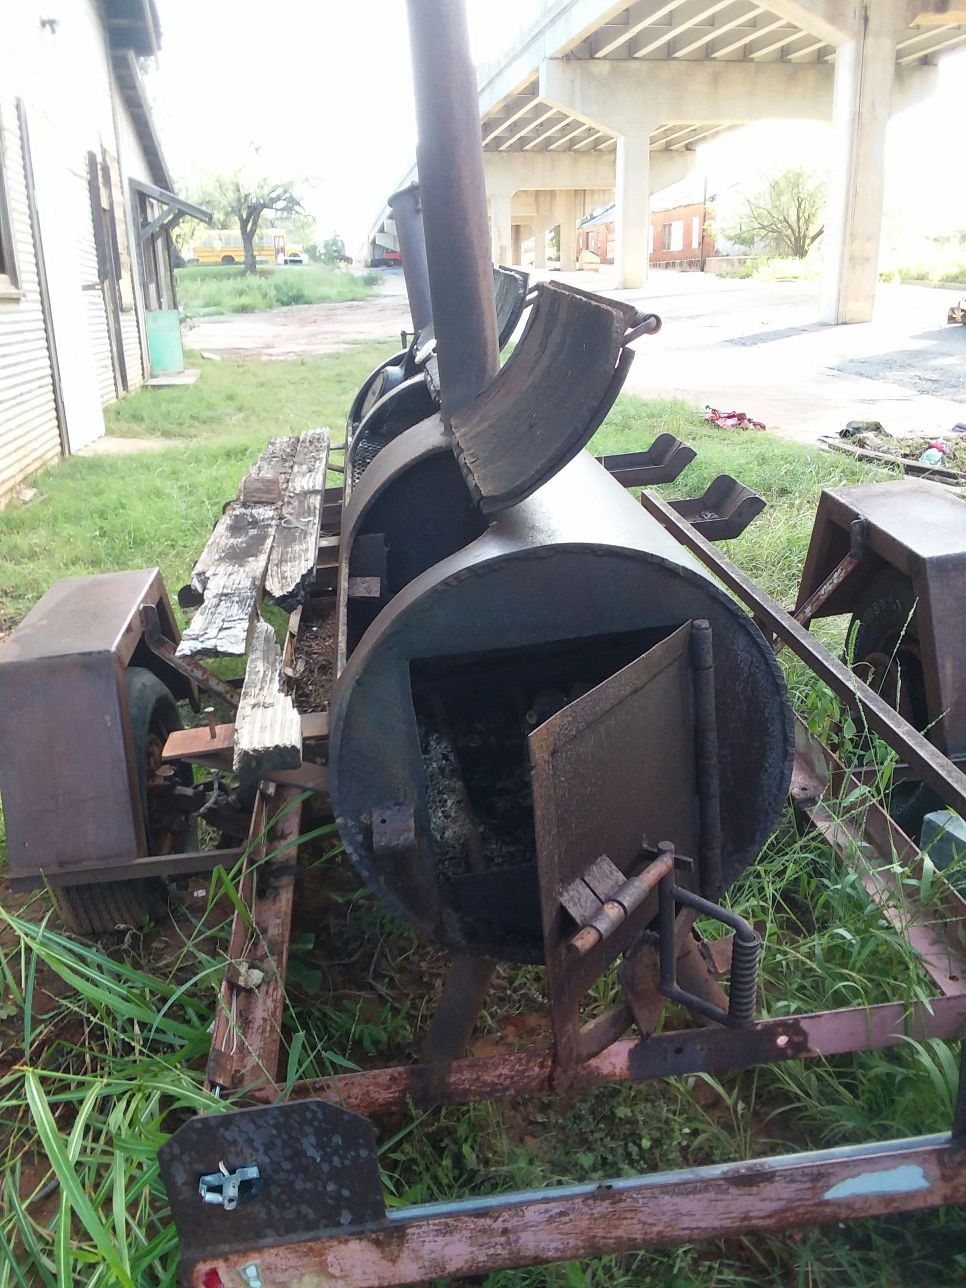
{"type": "Point", "coordinates": [548, 399]}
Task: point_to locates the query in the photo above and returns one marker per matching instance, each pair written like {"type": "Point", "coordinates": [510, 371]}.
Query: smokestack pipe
{"type": "Point", "coordinates": [407, 215]}
{"type": "Point", "coordinates": [449, 160]}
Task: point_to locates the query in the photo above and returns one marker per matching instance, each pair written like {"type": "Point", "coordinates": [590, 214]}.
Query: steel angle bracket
{"type": "Point", "coordinates": [316, 1169]}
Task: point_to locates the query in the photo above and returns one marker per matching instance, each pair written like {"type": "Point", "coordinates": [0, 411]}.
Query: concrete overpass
{"type": "Point", "coordinates": [634, 88]}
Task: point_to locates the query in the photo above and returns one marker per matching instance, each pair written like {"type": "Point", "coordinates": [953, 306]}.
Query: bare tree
{"type": "Point", "coordinates": [243, 199]}
{"type": "Point", "coordinates": [785, 217]}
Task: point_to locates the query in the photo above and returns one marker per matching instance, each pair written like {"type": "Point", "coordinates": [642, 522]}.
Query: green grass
{"type": "Point", "coordinates": [205, 290]}
{"type": "Point", "coordinates": [95, 514]}
{"type": "Point", "coordinates": [109, 1057]}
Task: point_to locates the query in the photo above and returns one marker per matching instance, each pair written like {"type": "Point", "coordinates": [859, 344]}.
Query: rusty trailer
{"type": "Point", "coordinates": [557, 733]}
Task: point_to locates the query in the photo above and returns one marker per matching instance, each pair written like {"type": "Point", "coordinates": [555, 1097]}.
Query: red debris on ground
{"type": "Point", "coordinates": [732, 419]}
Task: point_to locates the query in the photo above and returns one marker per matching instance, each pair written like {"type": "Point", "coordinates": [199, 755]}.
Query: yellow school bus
{"type": "Point", "coordinates": [224, 246]}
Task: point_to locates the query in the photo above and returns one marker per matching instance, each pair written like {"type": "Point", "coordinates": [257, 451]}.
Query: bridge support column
{"type": "Point", "coordinates": [633, 206]}
{"type": "Point", "coordinates": [540, 230]}
{"type": "Point", "coordinates": [500, 229]}
{"type": "Point", "coordinates": [516, 246]}
{"type": "Point", "coordinates": [567, 209]}
{"type": "Point", "coordinates": [865, 68]}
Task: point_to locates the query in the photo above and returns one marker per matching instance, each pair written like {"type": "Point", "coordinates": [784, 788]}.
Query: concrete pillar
{"type": "Point", "coordinates": [500, 228]}
{"type": "Point", "coordinates": [568, 231]}
{"type": "Point", "coordinates": [516, 252]}
{"type": "Point", "coordinates": [540, 230]}
{"type": "Point", "coordinates": [632, 209]}
{"type": "Point", "coordinates": [865, 68]}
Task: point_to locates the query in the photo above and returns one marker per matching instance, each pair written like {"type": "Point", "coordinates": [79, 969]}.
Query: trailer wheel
{"type": "Point", "coordinates": [97, 909]}
{"type": "Point", "coordinates": [884, 646]}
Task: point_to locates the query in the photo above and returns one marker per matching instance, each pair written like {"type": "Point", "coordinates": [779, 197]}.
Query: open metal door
{"type": "Point", "coordinates": [613, 774]}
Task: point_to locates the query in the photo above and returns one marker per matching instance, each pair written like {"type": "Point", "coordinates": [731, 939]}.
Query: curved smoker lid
{"type": "Point", "coordinates": [548, 398]}
{"type": "Point", "coordinates": [510, 296]}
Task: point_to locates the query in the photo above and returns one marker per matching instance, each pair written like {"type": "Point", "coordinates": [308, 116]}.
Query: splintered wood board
{"type": "Point", "coordinates": [268, 729]}
{"type": "Point", "coordinates": [231, 570]}
{"type": "Point", "coordinates": [294, 552]}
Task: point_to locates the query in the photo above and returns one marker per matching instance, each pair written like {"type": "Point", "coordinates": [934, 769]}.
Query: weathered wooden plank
{"type": "Point", "coordinates": [292, 561]}
{"type": "Point", "coordinates": [222, 625]}
{"type": "Point", "coordinates": [268, 729]}
{"type": "Point", "coordinates": [231, 570]}
{"type": "Point", "coordinates": [199, 741]}
{"type": "Point", "coordinates": [248, 1022]}
{"type": "Point", "coordinates": [226, 542]}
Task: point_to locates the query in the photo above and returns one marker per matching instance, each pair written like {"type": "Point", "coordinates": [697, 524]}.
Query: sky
{"type": "Point", "coordinates": [323, 89]}
{"type": "Point", "coordinates": [324, 92]}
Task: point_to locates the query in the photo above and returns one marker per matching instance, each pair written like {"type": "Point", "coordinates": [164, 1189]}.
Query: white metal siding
{"type": "Point", "coordinates": [132, 348]}
{"type": "Point", "coordinates": [64, 77]}
{"type": "Point", "coordinates": [29, 435]}
{"type": "Point", "coordinates": [94, 309]}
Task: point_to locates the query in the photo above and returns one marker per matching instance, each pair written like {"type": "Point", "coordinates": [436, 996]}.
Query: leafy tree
{"type": "Point", "coordinates": [301, 228]}
{"type": "Point", "coordinates": [243, 198]}
{"type": "Point", "coordinates": [333, 250]}
{"type": "Point", "coordinates": [785, 217]}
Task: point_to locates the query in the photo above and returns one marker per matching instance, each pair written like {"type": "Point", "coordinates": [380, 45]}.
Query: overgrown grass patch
{"type": "Point", "coordinates": [110, 1055]}
{"type": "Point", "coordinates": [101, 513]}
{"type": "Point", "coordinates": [790, 476]}
{"type": "Point", "coordinates": [250, 400]}
{"type": "Point", "coordinates": [206, 290]}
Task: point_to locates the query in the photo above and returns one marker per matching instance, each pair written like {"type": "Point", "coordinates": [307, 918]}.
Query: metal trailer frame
{"type": "Point", "coordinates": [289, 1190]}
{"type": "Point", "coordinates": [289, 1232]}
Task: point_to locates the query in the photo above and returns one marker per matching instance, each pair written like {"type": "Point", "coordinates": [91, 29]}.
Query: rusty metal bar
{"type": "Point", "coordinates": [805, 612]}
{"type": "Point", "coordinates": [870, 842]}
{"type": "Point", "coordinates": [929, 762]}
{"type": "Point", "coordinates": [478, 1236]}
{"type": "Point", "coordinates": [665, 1055]}
{"type": "Point", "coordinates": [464, 992]}
{"type": "Point", "coordinates": [149, 865]}
{"type": "Point", "coordinates": [706, 758]}
{"type": "Point", "coordinates": [449, 159]}
{"type": "Point", "coordinates": [199, 674]}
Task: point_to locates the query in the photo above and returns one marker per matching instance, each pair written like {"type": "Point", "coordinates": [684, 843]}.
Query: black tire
{"type": "Point", "coordinates": [884, 650]}
{"type": "Point", "coordinates": [98, 909]}
{"type": "Point", "coordinates": [228, 259]}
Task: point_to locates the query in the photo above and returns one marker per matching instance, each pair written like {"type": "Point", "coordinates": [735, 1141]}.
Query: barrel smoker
{"type": "Point", "coordinates": [554, 738]}
{"type": "Point", "coordinates": [557, 734]}
{"type": "Point", "coordinates": [537, 686]}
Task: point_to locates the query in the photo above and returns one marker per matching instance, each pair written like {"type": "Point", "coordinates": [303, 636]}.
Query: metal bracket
{"type": "Point", "coordinates": [724, 511]}
{"type": "Point", "coordinates": [161, 647]}
{"type": "Point", "coordinates": [317, 1176]}
{"type": "Point", "coordinates": [858, 530]}
{"type": "Point", "coordinates": [226, 1189]}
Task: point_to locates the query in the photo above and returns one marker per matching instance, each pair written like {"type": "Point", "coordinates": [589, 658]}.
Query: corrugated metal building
{"type": "Point", "coordinates": [81, 172]}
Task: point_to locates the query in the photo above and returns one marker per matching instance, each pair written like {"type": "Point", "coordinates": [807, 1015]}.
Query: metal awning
{"type": "Point", "coordinates": [173, 209]}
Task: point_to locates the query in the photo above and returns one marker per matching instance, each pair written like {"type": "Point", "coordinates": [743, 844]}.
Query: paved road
{"type": "Point", "coordinates": [757, 346]}
{"type": "Point", "coordinates": [751, 345]}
